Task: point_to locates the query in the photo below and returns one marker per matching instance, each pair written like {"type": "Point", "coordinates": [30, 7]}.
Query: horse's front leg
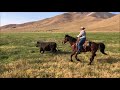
{"type": "Point", "coordinates": [72, 55]}
{"type": "Point", "coordinates": [77, 57]}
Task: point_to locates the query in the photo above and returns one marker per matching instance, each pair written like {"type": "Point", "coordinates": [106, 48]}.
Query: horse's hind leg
{"type": "Point", "coordinates": [92, 58]}
{"type": "Point", "coordinates": [77, 57]}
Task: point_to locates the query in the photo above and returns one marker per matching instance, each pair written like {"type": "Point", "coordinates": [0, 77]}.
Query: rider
{"type": "Point", "coordinates": [81, 39]}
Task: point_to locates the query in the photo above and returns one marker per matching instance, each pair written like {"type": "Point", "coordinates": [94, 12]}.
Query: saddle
{"type": "Point", "coordinates": [86, 45]}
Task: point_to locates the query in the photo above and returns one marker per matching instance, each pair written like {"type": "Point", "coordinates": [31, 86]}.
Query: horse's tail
{"type": "Point", "coordinates": [102, 48]}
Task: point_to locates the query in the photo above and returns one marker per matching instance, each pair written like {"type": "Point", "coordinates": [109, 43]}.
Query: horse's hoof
{"type": "Point", "coordinates": [79, 60]}
{"type": "Point", "coordinates": [89, 64]}
{"type": "Point", "coordinates": [71, 60]}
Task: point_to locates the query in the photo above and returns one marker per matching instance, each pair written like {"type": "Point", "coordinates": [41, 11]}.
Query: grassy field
{"type": "Point", "coordinates": [19, 58]}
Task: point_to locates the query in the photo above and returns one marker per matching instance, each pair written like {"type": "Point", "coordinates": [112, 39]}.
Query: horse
{"type": "Point", "coordinates": [91, 47]}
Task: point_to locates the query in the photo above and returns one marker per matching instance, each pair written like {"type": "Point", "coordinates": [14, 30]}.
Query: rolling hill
{"type": "Point", "coordinates": [111, 24]}
{"type": "Point", "coordinates": [69, 22]}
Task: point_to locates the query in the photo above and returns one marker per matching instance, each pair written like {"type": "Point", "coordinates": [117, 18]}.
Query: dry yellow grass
{"type": "Point", "coordinates": [18, 61]}
{"type": "Point", "coordinates": [58, 67]}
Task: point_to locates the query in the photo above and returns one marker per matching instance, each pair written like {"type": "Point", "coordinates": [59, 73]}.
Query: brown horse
{"type": "Point", "coordinates": [92, 47]}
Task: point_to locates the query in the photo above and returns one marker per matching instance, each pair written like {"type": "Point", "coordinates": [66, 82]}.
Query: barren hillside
{"type": "Point", "coordinates": [110, 24]}
{"type": "Point", "coordinates": [71, 21]}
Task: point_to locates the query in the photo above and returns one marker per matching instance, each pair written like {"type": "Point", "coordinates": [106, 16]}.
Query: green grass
{"type": "Point", "coordinates": [20, 58]}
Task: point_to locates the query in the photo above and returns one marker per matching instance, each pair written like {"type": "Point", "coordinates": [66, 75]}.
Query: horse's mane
{"type": "Point", "coordinates": [71, 38]}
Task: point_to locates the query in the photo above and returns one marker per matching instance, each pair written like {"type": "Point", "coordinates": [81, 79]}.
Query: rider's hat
{"type": "Point", "coordinates": [82, 28]}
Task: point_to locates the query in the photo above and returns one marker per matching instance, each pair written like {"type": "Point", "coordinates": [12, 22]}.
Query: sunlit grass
{"type": "Point", "coordinates": [19, 58]}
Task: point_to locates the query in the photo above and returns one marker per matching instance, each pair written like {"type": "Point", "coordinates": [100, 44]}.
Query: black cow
{"type": "Point", "coordinates": [46, 46]}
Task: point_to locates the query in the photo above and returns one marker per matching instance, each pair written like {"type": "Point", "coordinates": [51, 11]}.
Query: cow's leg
{"type": "Point", "coordinates": [41, 50]}
{"type": "Point", "coordinates": [53, 49]}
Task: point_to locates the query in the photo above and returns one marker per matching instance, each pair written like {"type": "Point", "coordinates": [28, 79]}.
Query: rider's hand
{"type": "Point", "coordinates": [78, 39]}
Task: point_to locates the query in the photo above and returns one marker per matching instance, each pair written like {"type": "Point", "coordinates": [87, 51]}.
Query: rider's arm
{"type": "Point", "coordinates": [79, 35]}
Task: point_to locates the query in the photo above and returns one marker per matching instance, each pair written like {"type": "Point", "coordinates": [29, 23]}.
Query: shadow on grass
{"type": "Point", "coordinates": [109, 60]}
{"type": "Point", "coordinates": [63, 52]}
{"type": "Point", "coordinates": [56, 53]}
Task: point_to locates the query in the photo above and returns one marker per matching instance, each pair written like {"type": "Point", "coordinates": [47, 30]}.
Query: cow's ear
{"type": "Point", "coordinates": [66, 35]}
{"type": "Point", "coordinates": [37, 42]}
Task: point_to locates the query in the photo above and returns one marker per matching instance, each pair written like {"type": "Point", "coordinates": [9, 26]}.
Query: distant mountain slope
{"type": "Point", "coordinates": [71, 21]}
{"type": "Point", "coordinates": [111, 24]}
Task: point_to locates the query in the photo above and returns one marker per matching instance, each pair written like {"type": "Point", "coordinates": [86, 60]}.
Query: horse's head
{"type": "Point", "coordinates": [66, 39]}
